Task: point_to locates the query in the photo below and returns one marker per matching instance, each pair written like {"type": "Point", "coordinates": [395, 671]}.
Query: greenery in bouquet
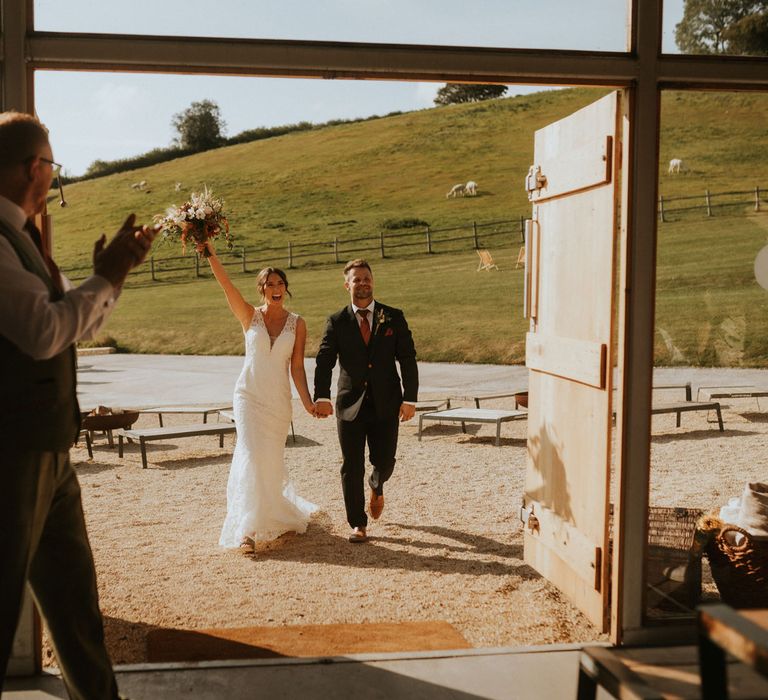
{"type": "Point", "coordinates": [197, 221]}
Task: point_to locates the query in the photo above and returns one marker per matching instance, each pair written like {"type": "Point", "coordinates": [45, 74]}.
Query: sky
{"type": "Point", "coordinates": [107, 116]}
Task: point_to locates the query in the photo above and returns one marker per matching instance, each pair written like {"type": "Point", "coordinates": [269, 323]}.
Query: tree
{"type": "Point", "coordinates": [455, 93]}
{"type": "Point", "coordinates": [200, 126]}
{"type": "Point", "coordinates": [708, 25]}
{"type": "Point", "coordinates": [749, 36]}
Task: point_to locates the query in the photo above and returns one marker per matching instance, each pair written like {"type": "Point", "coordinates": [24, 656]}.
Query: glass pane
{"type": "Point", "coordinates": [734, 27]}
{"type": "Point", "coordinates": [711, 338]}
{"type": "Point", "coordinates": [551, 24]}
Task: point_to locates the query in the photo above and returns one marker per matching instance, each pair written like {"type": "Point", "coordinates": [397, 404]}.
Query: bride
{"type": "Point", "coordinates": [261, 501]}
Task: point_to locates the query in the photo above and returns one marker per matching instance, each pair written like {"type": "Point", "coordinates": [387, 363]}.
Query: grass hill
{"type": "Point", "coordinates": [346, 180]}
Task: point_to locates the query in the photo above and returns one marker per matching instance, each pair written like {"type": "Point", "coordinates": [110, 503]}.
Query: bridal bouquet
{"type": "Point", "coordinates": [196, 221]}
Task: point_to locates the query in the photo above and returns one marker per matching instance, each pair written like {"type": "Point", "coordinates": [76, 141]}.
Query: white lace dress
{"type": "Point", "coordinates": [261, 501]}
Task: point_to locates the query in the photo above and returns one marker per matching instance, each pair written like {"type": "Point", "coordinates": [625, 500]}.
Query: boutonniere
{"type": "Point", "coordinates": [382, 319]}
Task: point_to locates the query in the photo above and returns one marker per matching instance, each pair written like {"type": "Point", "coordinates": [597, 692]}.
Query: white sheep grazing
{"type": "Point", "coordinates": [135, 186]}
{"type": "Point", "coordinates": [675, 166]}
{"type": "Point", "coordinates": [471, 188]}
{"type": "Point", "coordinates": [456, 190]}
{"type": "Point", "coordinates": [177, 187]}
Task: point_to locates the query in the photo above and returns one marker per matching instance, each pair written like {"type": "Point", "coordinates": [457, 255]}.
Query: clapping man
{"type": "Point", "coordinates": [43, 540]}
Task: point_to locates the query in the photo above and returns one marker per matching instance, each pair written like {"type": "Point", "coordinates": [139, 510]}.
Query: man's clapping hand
{"type": "Point", "coordinates": [127, 249]}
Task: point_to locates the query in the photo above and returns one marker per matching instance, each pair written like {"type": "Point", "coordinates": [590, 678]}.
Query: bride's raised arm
{"type": "Point", "coordinates": [242, 310]}
{"type": "Point", "coordinates": [298, 372]}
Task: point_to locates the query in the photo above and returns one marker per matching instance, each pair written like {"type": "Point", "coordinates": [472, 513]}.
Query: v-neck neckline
{"type": "Point", "coordinates": [272, 340]}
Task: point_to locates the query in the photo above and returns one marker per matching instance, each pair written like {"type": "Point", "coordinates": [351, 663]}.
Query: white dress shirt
{"type": "Point", "coordinates": [37, 326]}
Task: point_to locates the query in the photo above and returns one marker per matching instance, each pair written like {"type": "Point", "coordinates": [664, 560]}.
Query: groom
{"type": "Point", "coordinates": [367, 338]}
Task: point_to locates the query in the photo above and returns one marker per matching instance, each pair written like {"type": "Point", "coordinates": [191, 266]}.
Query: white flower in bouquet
{"type": "Point", "coordinates": [199, 220]}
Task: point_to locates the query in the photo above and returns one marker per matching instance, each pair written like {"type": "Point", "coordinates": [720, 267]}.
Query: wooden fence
{"type": "Point", "coordinates": [707, 202]}
{"type": "Point", "coordinates": [385, 244]}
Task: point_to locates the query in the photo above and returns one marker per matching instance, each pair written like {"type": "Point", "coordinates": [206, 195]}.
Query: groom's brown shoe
{"type": "Point", "coordinates": [358, 535]}
{"type": "Point", "coordinates": [376, 504]}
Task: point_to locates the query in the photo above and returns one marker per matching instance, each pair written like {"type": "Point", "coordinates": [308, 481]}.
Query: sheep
{"type": "Point", "coordinates": [139, 185]}
{"type": "Point", "coordinates": [471, 188]}
{"type": "Point", "coordinates": [675, 166]}
{"type": "Point", "coordinates": [177, 187]}
{"type": "Point", "coordinates": [456, 190]}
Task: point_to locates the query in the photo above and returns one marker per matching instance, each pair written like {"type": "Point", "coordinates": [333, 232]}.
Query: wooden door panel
{"type": "Point", "coordinates": [568, 353]}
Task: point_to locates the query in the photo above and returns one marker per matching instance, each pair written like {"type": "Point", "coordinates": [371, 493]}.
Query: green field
{"type": "Point", "coordinates": [345, 181]}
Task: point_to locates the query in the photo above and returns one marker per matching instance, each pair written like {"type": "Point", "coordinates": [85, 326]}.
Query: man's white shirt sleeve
{"type": "Point", "coordinates": [36, 325]}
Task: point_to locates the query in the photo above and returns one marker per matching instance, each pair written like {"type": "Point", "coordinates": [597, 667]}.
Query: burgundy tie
{"type": "Point", "coordinates": [53, 270]}
{"type": "Point", "coordinates": [365, 326]}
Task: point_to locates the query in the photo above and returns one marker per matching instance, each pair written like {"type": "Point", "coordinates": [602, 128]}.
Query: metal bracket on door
{"type": "Point", "coordinates": [534, 181]}
{"type": "Point", "coordinates": [531, 284]}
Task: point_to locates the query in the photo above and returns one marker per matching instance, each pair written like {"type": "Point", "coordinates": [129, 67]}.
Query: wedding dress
{"type": "Point", "coordinates": [261, 501]}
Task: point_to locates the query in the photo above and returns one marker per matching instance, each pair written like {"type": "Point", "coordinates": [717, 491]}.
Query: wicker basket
{"type": "Point", "coordinates": [740, 571]}
{"type": "Point", "coordinates": [673, 567]}
{"type": "Point", "coordinates": [673, 570]}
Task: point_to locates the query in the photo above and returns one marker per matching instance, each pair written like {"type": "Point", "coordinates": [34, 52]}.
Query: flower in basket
{"type": "Point", "coordinates": [198, 220]}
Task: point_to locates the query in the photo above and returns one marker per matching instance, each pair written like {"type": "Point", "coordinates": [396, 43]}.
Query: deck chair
{"type": "Point", "coordinates": [486, 261]}
{"type": "Point", "coordinates": [520, 258]}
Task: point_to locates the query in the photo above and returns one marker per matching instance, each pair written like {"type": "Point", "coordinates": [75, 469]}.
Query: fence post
{"type": "Point", "coordinates": [757, 199]}
{"type": "Point", "coordinates": [290, 255]}
{"type": "Point", "coordinates": [474, 234]}
{"type": "Point", "coordinates": [242, 250]}
{"type": "Point", "coordinates": [336, 249]}
{"type": "Point", "coordinates": [197, 265]}
{"type": "Point", "coordinates": [709, 202]}
{"type": "Point", "coordinates": [381, 239]}
{"type": "Point", "coordinates": [429, 241]}
{"type": "Point", "coordinates": [661, 209]}
{"type": "Point", "coordinates": [152, 268]}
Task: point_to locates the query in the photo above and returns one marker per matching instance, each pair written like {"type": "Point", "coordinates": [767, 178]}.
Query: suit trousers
{"type": "Point", "coordinates": [43, 541]}
{"type": "Point", "coordinates": [381, 436]}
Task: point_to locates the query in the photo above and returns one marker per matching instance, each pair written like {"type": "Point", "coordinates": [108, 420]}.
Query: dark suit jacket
{"type": "Point", "coordinates": [368, 368]}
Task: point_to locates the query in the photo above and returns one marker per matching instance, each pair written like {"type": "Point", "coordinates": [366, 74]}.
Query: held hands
{"type": "Point", "coordinates": [323, 409]}
{"type": "Point", "coordinates": [126, 250]}
{"type": "Point", "coordinates": [407, 411]}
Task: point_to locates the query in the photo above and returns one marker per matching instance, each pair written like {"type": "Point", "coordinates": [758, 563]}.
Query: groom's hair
{"type": "Point", "coordinates": [357, 262]}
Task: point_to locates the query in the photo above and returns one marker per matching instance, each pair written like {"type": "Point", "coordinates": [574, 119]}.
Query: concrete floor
{"type": "Point", "coordinates": [536, 673]}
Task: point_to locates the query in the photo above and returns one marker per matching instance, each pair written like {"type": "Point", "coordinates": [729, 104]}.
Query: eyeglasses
{"type": "Point", "coordinates": [54, 164]}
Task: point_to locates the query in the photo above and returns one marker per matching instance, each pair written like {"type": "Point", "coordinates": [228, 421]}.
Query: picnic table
{"type": "Point", "coordinates": [473, 415]}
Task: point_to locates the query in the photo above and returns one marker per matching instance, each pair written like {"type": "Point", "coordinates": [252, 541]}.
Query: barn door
{"type": "Point", "coordinates": [569, 300]}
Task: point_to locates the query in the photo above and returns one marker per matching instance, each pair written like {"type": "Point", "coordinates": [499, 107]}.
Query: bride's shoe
{"type": "Point", "coordinates": [247, 544]}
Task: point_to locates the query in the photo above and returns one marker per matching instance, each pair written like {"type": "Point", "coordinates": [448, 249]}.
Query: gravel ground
{"type": "Point", "coordinates": [448, 546]}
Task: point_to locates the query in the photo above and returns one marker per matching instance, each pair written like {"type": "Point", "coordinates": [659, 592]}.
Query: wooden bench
{"type": "Point", "coordinates": [739, 391]}
{"type": "Point", "coordinates": [686, 387]}
{"type": "Point", "coordinates": [205, 411]}
{"type": "Point", "coordinates": [491, 397]}
{"type": "Point", "coordinates": [681, 407]}
{"type": "Point", "coordinates": [473, 415]}
{"type": "Point", "coordinates": [433, 404]}
{"type": "Point", "coordinates": [145, 435]}
{"type": "Point", "coordinates": [660, 673]}
{"type": "Point", "coordinates": [230, 416]}
{"type": "Point", "coordinates": [741, 633]}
